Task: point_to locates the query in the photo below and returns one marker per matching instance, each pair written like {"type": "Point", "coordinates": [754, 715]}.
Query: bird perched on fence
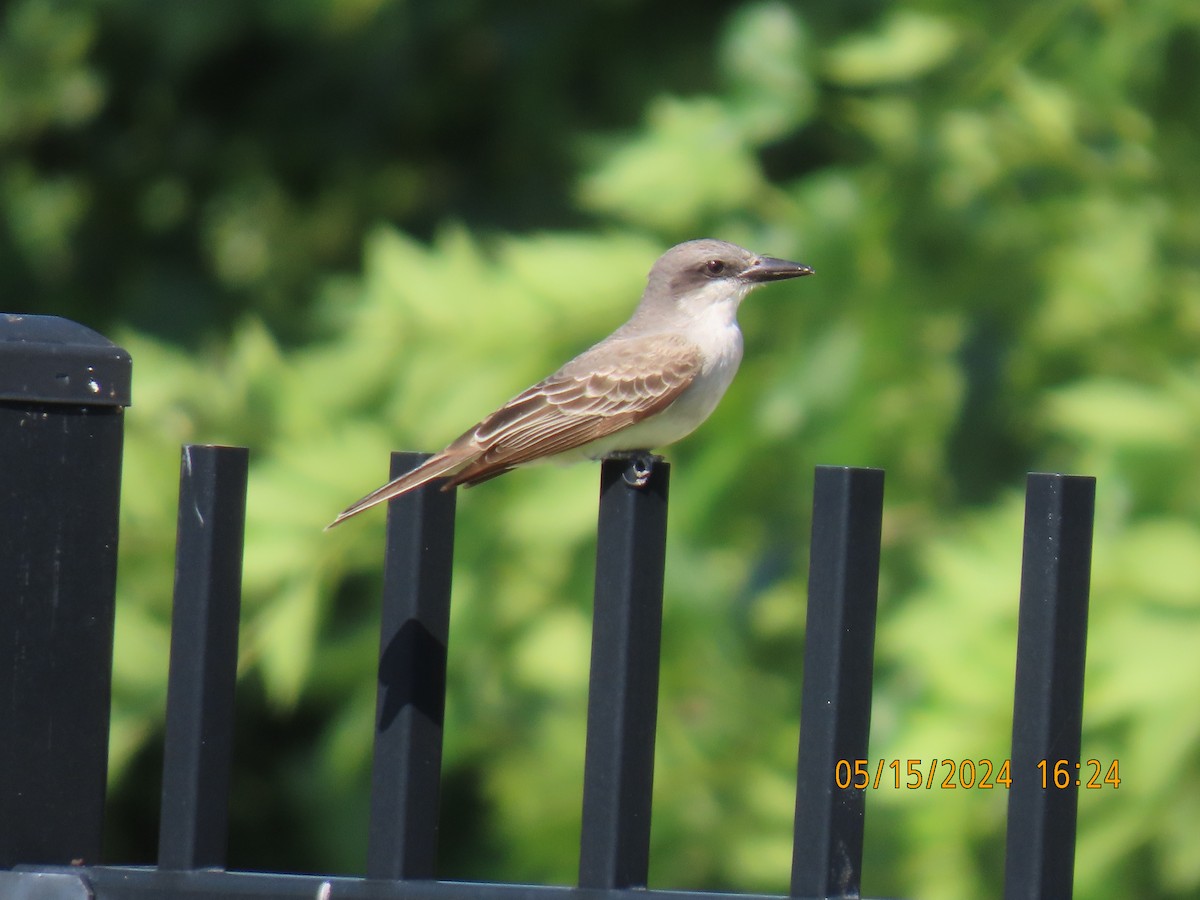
{"type": "Point", "coordinates": [648, 384]}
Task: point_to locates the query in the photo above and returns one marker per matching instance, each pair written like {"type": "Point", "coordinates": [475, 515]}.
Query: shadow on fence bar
{"type": "Point", "coordinates": [622, 702]}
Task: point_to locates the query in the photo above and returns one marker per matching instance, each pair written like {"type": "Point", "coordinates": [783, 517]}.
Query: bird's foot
{"type": "Point", "coordinates": [641, 466]}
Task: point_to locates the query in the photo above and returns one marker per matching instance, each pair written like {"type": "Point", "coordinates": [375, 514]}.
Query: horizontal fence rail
{"type": "Point", "coordinates": [59, 861]}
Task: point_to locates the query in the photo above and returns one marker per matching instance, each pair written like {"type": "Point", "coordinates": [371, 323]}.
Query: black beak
{"type": "Point", "coordinates": [768, 268]}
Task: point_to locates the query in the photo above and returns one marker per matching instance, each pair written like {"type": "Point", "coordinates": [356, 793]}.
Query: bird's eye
{"type": "Point", "coordinates": [714, 267]}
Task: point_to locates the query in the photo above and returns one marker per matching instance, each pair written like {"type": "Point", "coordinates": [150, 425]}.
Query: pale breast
{"type": "Point", "coordinates": [720, 341]}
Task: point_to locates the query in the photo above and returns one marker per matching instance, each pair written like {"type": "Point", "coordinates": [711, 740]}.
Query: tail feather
{"type": "Point", "coordinates": [437, 466]}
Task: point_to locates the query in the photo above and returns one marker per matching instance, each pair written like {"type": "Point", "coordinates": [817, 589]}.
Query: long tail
{"type": "Point", "coordinates": [435, 467]}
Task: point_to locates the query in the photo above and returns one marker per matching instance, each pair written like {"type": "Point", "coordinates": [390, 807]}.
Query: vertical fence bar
{"type": "Point", "coordinates": [194, 826]}
{"type": "Point", "coordinates": [623, 690]}
{"type": "Point", "coordinates": [414, 635]}
{"type": "Point", "coordinates": [1048, 701]}
{"type": "Point", "coordinates": [63, 390]}
{"type": "Point", "coordinates": [835, 712]}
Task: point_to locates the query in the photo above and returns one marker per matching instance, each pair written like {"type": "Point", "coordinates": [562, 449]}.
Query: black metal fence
{"type": "Point", "coordinates": [62, 393]}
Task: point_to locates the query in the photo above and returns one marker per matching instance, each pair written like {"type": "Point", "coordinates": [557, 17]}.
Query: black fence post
{"type": "Point", "coordinates": [63, 390]}
{"type": "Point", "coordinates": [618, 773]}
{"type": "Point", "coordinates": [198, 747]}
{"type": "Point", "coordinates": [835, 710]}
{"type": "Point", "coordinates": [1048, 703]}
{"type": "Point", "coordinates": [411, 696]}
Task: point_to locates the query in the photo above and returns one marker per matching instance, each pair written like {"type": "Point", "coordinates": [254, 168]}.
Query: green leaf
{"type": "Point", "coordinates": [907, 46]}
{"type": "Point", "coordinates": [693, 162]}
{"type": "Point", "coordinates": [1120, 413]}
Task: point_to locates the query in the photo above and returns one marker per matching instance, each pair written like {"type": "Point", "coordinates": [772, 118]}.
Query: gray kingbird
{"type": "Point", "coordinates": [648, 384]}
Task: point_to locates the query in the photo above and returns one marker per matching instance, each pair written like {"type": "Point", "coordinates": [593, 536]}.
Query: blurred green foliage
{"type": "Point", "coordinates": [306, 220]}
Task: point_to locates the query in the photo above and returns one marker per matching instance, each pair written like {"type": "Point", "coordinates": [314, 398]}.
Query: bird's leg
{"type": "Point", "coordinates": [641, 465]}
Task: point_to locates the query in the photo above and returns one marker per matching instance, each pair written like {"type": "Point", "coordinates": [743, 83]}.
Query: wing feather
{"type": "Point", "coordinates": [610, 387]}
{"type": "Point", "coordinates": [617, 383]}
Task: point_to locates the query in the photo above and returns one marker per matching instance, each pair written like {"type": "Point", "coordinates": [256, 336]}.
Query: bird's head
{"type": "Point", "coordinates": [707, 272]}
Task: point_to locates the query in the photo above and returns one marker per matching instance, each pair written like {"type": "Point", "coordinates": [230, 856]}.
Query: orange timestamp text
{"type": "Point", "coordinates": [967, 774]}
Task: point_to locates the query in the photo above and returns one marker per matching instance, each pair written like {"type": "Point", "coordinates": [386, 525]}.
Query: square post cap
{"type": "Point", "coordinates": [47, 359]}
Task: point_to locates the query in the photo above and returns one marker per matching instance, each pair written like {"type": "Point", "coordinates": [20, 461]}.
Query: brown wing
{"type": "Point", "coordinates": [615, 384]}
{"type": "Point", "coordinates": [434, 467]}
{"type": "Point", "coordinates": [612, 386]}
